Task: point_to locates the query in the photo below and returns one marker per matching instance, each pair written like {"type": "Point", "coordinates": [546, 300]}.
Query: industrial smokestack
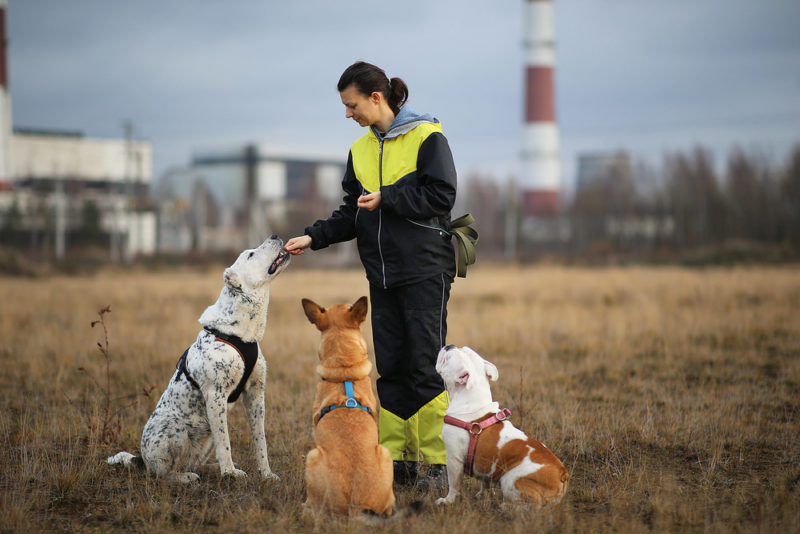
{"type": "Point", "coordinates": [5, 103]}
{"type": "Point", "coordinates": [541, 169]}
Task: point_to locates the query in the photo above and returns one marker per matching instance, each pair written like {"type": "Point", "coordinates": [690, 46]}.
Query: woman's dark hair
{"type": "Point", "coordinates": [368, 78]}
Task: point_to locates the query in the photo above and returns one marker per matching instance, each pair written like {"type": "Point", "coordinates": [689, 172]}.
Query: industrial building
{"type": "Point", "coordinates": [60, 180]}
{"type": "Point", "coordinates": [597, 166]}
{"type": "Point", "coordinates": [58, 188]}
{"type": "Point", "coordinates": [231, 198]}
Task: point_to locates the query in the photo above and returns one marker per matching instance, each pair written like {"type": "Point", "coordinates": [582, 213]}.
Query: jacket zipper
{"type": "Point", "coordinates": [380, 211]}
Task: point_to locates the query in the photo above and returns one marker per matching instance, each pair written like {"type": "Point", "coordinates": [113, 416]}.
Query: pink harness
{"type": "Point", "coordinates": [475, 428]}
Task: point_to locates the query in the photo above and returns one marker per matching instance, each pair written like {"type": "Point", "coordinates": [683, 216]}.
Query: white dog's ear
{"type": "Point", "coordinates": [231, 279]}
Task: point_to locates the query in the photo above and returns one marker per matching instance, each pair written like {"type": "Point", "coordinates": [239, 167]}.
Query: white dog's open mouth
{"type": "Point", "coordinates": [463, 378]}
{"type": "Point", "coordinates": [280, 260]}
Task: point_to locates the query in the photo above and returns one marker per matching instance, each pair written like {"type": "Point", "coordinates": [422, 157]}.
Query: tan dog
{"type": "Point", "coordinates": [348, 472]}
{"type": "Point", "coordinates": [479, 439]}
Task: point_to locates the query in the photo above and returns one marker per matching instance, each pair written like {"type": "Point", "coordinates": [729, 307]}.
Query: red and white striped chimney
{"type": "Point", "coordinates": [5, 103]}
{"type": "Point", "coordinates": [541, 167]}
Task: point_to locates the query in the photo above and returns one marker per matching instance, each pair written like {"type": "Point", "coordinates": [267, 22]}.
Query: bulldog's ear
{"type": "Point", "coordinates": [466, 380]}
{"type": "Point", "coordinates": [491, 370]}
{"type": "Point", "coordinates": [358, 310]}
{"type": "Point", "coordinates": [314, 312]}
{"type": "Point", "coordinates": [488, 367]}
{"type": "Point", "coordinates": [232, 279]}
{"type": "Point", "coordinates": [441, 360]}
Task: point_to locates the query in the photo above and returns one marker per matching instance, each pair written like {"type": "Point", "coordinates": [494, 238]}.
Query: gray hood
{"type": "Point", "coordinates": [405, 121]}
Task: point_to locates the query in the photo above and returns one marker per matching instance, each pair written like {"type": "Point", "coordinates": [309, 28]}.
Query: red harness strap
{"type": "Point", "coordinates": [475, 428]}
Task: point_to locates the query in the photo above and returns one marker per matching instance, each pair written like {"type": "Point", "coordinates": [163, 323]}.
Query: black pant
{"type": "Point", "coordinates": [409, 326]}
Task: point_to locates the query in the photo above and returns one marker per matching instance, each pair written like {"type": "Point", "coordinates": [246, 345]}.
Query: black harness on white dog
{"type": "Point", "coordinates": [247, 351]}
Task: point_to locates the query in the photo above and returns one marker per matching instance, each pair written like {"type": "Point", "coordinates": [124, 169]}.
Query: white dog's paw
{"type": "Point", "coordinates": [270, 476]}
{"type": "Point", "coordinates": [235, 473]}
{"type": "Point", "coordinates": [443, 500]}
{"type": "Point", "coordinates": [185, 478]}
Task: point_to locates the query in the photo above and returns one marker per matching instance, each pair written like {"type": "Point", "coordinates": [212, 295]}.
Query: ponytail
{"type": "Point", "coordinates": [368, 79]}
{"type": "Point", "coordinates": [398, 95]}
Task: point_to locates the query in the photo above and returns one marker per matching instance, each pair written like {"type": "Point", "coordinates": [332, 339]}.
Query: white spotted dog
{"type": "Point", "coordinates": [192, 415]}
{"type": "Point", "coordinates": [480, 440]}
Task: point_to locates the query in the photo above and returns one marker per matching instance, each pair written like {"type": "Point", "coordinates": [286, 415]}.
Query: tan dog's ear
{"type": "Point", "coordinates": [358, 310]}
{"type": "Point", "coordinates": [314, 312]}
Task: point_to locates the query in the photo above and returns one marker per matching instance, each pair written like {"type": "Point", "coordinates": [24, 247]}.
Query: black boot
{"type": "Point", "coordinates": [405, 473]}
{"type": "Point", "coordinates": [435, 479]}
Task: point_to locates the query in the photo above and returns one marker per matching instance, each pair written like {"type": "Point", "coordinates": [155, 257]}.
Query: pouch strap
{"type": "Point", "coordinates": [466, 238]}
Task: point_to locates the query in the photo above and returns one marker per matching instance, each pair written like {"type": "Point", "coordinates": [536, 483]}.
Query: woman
{"type": "Point", "coordinates": [399, 188]}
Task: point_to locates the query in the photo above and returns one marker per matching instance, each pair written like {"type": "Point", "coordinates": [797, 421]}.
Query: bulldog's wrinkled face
{"type": "Point", "coordinates": [255, 267]}
{"type": "Point", "coordinates": [464, 368]}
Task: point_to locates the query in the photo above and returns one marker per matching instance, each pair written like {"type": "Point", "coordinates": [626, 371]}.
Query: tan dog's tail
{"type": "Point", "coordinates": [369, 517]}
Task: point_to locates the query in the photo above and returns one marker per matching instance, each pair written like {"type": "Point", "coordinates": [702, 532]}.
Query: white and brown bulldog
{"type": "Point", "coordinates": [481, 441]}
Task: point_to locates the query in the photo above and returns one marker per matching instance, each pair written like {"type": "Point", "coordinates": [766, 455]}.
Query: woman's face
{"type": "Point", "coordinates": [365, 110]}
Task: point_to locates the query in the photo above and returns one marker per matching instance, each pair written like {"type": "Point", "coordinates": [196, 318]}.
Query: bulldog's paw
{"type": "Point", "coordinates": [444, 500]}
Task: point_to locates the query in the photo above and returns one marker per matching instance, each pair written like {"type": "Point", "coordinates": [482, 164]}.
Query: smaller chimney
{"type": "Point", "coordinates": [5, 103]}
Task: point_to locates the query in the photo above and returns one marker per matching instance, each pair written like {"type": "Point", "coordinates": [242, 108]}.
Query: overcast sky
{"type": "Point", "coordinates": [649, 76]}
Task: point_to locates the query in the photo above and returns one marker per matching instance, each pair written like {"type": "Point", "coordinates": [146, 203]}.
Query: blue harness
{"type": "Point", "coordinates": [351, 402]}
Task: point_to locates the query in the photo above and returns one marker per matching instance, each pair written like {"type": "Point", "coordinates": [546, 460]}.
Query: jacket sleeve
{"type": "Point", "coordinates": [435, 191]}
{"type": "Point", "coordinates": [341, 225]}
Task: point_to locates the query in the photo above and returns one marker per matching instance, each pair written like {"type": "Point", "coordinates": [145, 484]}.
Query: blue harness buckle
{"type": "Point", "coordinates": [351, 402]}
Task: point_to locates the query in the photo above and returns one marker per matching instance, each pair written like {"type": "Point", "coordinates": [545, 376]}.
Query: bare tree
{"type": "Point", "coordinates": [695, 200]}
{"type": "Point", "coordinates": [790, 195]}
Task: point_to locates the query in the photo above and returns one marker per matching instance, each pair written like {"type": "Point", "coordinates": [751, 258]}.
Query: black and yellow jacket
{"type": "Point", "coordinates": [407, 238]}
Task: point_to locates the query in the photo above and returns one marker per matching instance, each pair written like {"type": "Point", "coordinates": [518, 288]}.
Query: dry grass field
{"type": "Point", "coordinates": [672, 396]}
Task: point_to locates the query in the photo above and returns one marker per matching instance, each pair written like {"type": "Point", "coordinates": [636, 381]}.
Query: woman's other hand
{"type": "Point", "coordinates": [370, 201]}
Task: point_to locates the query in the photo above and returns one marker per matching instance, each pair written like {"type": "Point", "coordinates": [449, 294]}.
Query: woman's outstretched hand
{"type": "Point", "coordinates": [298, 245]}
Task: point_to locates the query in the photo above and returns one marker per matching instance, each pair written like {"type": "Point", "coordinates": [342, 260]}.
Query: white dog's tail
{"type": "Point", "coordinates": [127, 459]}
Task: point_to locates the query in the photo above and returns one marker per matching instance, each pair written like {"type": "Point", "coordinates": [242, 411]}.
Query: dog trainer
{"type": "Point", "coordinates": [399, 188]}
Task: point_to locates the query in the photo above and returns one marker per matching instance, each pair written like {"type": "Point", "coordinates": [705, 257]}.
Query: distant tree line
{"type": "Point", "coordinates": [686, 205]}
{"type": "Point", "coordinates": [750, 202]}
